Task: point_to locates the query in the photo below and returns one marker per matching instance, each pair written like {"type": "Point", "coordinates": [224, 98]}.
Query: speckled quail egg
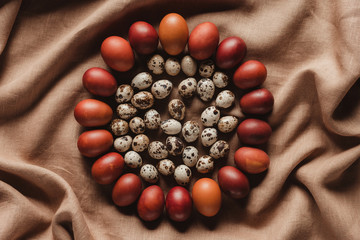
{"type": "Point", "coordinates": [156, 64]}
{"type": "Point", "coordinates": [133, 159]}
{"type": "Point", "coordinates": [170, 126]}
{"type": "Point", "coordinates": [152, 119]}
{"type": "Point", "coordinates": [157, 150]}
{"type": "Point", "coordinates": [176, 109]}
{"type": "Point", "coordinates": [161, 89]}
{"type": "Point", "coordinates": [149, 173]}
{"type": "Point", "coordinates": [122, 144]}
{"type": "Point", "coordinates": [227, 124]}
{"type": "Point", "coordinates": [143, 100]}
{"type": "Point", "coordinates": [172, 66]}
{"type": "Point", "coordinates": [187, 87]}
{"type": "Point", "coordinates": [206, 68]}
{"type": "Point", "coordinates": [219, 149]}
{"type": "Point", "coordinates": [174, 145]}
{"type": "Point", "coordinates": [137, 125]}
{"type": "Point", "coordinates": [205, 164]}
{"type": "Point", "coordinates": [182, 174]}
{"type": "Point", "coordinates": [225, 99]}
{"type": "Point", "coordinates": [210, 116]}
{"type": "Point", "coordinates": [140, 143]}
{"type": "Point", "coordinates": [190, 131]}
{"type": "Point", "coordinates": [205, 89]}
{"type": "Point", "coordinates": [166, 167]}
{"type": "Point", "coordinates": [220, 79]}
{"type": "Point", "coordinates": [208, 136]}
{"type": "Point", "coordinates": [188, 65]}
{"type": "Point", "coordinates": [141, 81]}
{"type": "Point", "coordinates": [124, 93]}
{"type": "Point", "coordinates": [126, 111]}
{"type": "Point", "coordinates": [190, 156]}
{"type": "Point", "coordinates": [119, 127]}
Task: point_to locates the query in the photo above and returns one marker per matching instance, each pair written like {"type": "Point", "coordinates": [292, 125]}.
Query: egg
{"type": "Point", "coordinates": [206, 68]}
{"type": "Point", "coordinates": [149, 173]}
{"type": "Point", "coordinates": [205, 89]}
{"type": "Point", "coordinates": [206, 196]}
{"type": "Point", "coordinates": [166, 167]}
{"type": "Point", "coordinates": [178, 204]}
{"type": "Point", "coordinates": [126, 111]}
{"type": "Point", "coordinates": [124, 93]}
{"type": "Point", "coordinates": [208, 136]}
{"type": "Point", "coordinates": [143, 100]}
{"type": "Point", "coordinates": [170, 126]}
{"type": "Point", "coordinates": [251, 160]}
{"type": "Point", "coordinates": [137, 125]}
{"type": "Point", "coordinates": [174, 145]}
{"type": "Point", "coordinates": [93, 143]}
{"type": "Point", "coordinates": [119, 127]}
{"type": "Point", "coordinates": [205, 164]}
{"type": "Point", "coordinates": [176, 109]}
{"type": "Point", "coordinates": [156, 64]}
{"type": "Point", "coordinates": [143, 37]}
{"type": "Point", "coordinates": [172, 66]}
{"type": "Point", "coordinates": [161, 89]}
{"type": "Point", "coordinates": [157, 150]}
{"type": "Point", "coordinates": [122, 144]}
{"type": "Point", "coordinates": [108, 168]}
{"type": "Point", "coordinates": [99, 82]}
{"type": "Point", "coordinates": [140, 143]}
{"type": "Point", "coordinates": [152, 119]}
{"type": "Point", "coordinates": [182, 174]}
{"type": "Point", "coordinates": [117, 53]}
{"type": "Point", "coordinates": [126, 190]}
{"type": "Point", "coordinates": [230, 52]}
{"type": "Point", "coordinates": [141, 81]}
{"type": "Point", "coordinates": [259, 101]}
{"type": "Point", "coordinates": [188, 66]}
{"type": "Point", "coordinates": [225, 99]}
{"type": "Point", "coordinates": [187, 87]}
{"type": "Point", "coordinates": [220, 79]}
{"type": "Point", "coordinates": [210, 116]}
{"type": "Point", "coordinates": [233, 182]}
{"type": "Point", "coordinates": [133, 159]}
{"type": "Point", "coordinates": [203, 40]}
{"type": "Point", "coordinates": [173, 33]}
{"type": "Point", "coordinates": [190, 131]}
{"type": "Point", "coordinates": [151, 203]}
{"type": "Point", "coordinates": [250, 74]}
{"type": "Point", "coordinates": [227, 124]}
{"type": "Point", "coordinates": [190, 156]}
{"type": "Point", "coordinates": [92, 113]}
{"type": "Point", "coordinates": [254, 131]}
{"type": "Point", "coordinates": [219, 149]}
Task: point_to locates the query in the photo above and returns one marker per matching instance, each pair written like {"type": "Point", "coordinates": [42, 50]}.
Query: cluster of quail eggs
{"type": "Point", "coordinates": [139, 96]}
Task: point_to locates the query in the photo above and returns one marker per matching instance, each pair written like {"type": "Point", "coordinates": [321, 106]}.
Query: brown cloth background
{"type": "Point", "coordinates": [311, 49]}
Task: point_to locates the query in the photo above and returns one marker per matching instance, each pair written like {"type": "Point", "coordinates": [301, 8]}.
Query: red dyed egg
{"type": "Point", "coordinates": [203, 40]}
{"type": "Point", "coordinates": [151, 203]}
{"type": "Point", "coordinates": [259, 101]}
{"type": "Point", "coordinates": [99, 82]}
{"type": "Point", "coordinates": [108, 168]}
{"type": "Point", "coordinates": [178, 204]}
{"type": "Point", "coordinates": [233, 182]}
{"type": "Point", "coordinates": [250, 74]}
{"type": "Point", "coordinates": [126, 190]}
{"type": "Point", "coordinates": [230, 52]}
{"type": "Point", "coordinates": [94, 142]}
{"type": "Point", "coordinates": [253, 131]}
{"type": "Point", "coordinates": [143, 37]}
{"type": "Point", "coordinates": [117, 53]}
{"type": "Point", "coordinates": [251, 160]}
{"type": "Point", "coordinates": [92, 113]}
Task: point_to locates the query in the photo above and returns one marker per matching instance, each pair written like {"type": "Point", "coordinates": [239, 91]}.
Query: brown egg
{"type": "Point", "coordinates": [126, 190]}
{"type": "Point", "coordinates": [92, 113]}
{"type": "Point", "coordinates": [108, 168]}
{"type": "Point", "coordinates": [151, 203]}
{"type": "Point", "coordinates": [94, 142]}
{"type": "Point", "coordinates": [251, 160]}
{"type": "Point", "coordinates": [99, 82]}
{"type": "Point", "coordinates": [206, 196]}
{"type": "Point", "coordinates": [253, 131]}
{"type": "Point", "coordinates": [259, 101]}
{"type": "Point", "coordinates": [233, 182]}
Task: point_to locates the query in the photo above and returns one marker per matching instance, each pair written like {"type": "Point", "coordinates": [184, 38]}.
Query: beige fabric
{"type": "Point", "coordinates": [312, 52]}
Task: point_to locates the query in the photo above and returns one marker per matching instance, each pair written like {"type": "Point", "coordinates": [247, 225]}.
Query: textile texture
{"type": "Point", "coordinates": [311, 49]}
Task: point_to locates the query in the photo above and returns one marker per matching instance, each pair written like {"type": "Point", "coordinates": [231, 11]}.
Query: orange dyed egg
{"type": "Point", "coordinates": [206, 196]}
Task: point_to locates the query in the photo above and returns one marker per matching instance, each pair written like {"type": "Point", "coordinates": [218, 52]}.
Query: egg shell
{"type": "Point", "coordinates": [225, 99]}
{"type": "Point", "coordinates": [149, 173]}
{"type": "Point", "coordinates": [172, 66]}
{"type": "Point", "coordinates": [126, 190]}
{"type": "Point", "coordinates": [203, 40]}
{"type": "Point", "coordinates": [187, 87]}
{"type": "Point", "coordinates": [259, 101]}
{"type": "Point", "coordinates": [133, 159]}
{"type": "Point", "coordinates": [124, 93]}
{"type": "Point", "coordinates": [93, 143]}
{"type": "Point", "coordinates": [251, 160]}
{"type": "Point", "coordinates": [254, 131]}
{"type": "Point", "coordinates": [140, 143]}
{"type": "Point", "coordinates": [230, 52]}
{"type": "Point", "coordinates": [206, 68]}
{"type": "Point", "coordinates": [206, 196]}
{"type": "Point", "coordinates": [190, 131]}
{"type": "Point", "coordinates": [123, 143]}
{"type": "Point", "coordinates": [161, 88]}
{"type": "Point", "coordinates": [157, 150]}
{"type": "Point", "coordinates": [141, 81]}
{"type": "Point", "coordinates": [188, 66]}
{"type": "Point", "coordinates": [190, 156]}
{"type": "Point", "coordinates": [166, 167]}
{"type": "Point", "coordinates": [117, 53]}
{"type": "Point", "coordinates": [205, 89]}
{"type": "Point", "coordinates": [233, 182]}
{"type": "Point", "coordinates": [250, 74]}
{"type": "Point", "coordinates": [170, 126]}
{"type": "Point", "coordinates": [156, 64]}
{"type": "Point", "coordinates": [143, 37]}
{"type": "Point", "coordinates": [219, 149]}
{"type": "Point", "coordinates": [182, 174]}
{"type": "Point", "coordinates": [205, 164]}
{"type": "Point", "coordinates": [151, 203]}
{"type": "Point", "coordinates": [137, 125]}
{"type": "Point", "coordinates": [177, 109]}
{"type": "Point", "coordinates": [208, 136]}
{"type": "Point", "coordinates": [119, 127]}
{"type": "Point", "coordinates": [99, 82]}
{"type": "Point", "coordinates": [174, 145]}
{"type": "Point", "coordinates": [210, 116]}
{"type": "Point", "coordinates": [143, 100]}
{"type": "Point", "coordinates": [126, 111]}
{"type": "Point", "coordinates": [220, 79]}
{"type": "Point", "coordinates": [107, 168]}
{"type": "Point", "coordinates": [178, 204]}
{"type": "Point", "coordinates": [92, 113]}
{"type": "Point", "coordinates": [227, 124]}
{"type": "Point", "coordinates": [152, 119]}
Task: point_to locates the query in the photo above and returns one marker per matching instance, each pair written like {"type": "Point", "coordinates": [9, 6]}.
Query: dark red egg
{"type": "Point", "coordinates": [178, 204]}
{"type": "Point", "coordinates": [259, 101]}
{"type": "Point", "coordinates": [108, 168]}
{"type": "Point", "coordinates": [126, 190]}
{"type": "Point", "coordinates": [254, 131]}
{"type": "Point", "coordinates": [143, 37]}
{"type": "Point", "coordinates": [233, 182]}
{"type": "Point", "coordinates": [230, 52]}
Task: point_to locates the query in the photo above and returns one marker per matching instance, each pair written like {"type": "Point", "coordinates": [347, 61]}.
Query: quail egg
{"type": "Point", "coordinates": [206, 68]}
{"type": "Point", "coordinates": [172, 66]}
{"type": "Point", "coordinates": [187, 87]}
{"type": "Point", "coordinates": [149, 173]}
{"type": "Point", "coordinates": [190, 131]}
{"type": "Point", "coordinates": [225, 99]}
{"type": "Point", "coordinates": [124, 93]}
{"type": "Point", "coordinates": [119, 127]}
{"type": "Point", "coordinates": [220, 79]}
{"type": "Point", "coordinates": [205, 164]}
{"type": "Point", "coordinates": [188, 66]}
{"type": "Point", "coordinates": [205, 89]}
{"type": "Point", "coordinates": [133, 159]}
{"type": "Point", "coordinates": [176, 109]}
{"type": "Point", "coordinates": [157, 150]}
{"type": "Point", "coordinates": [156, 64]}
{"type": "Point", "coordinates": [182, 174]}
{"type": "Point", "coordinates": [170, 126]}
{"type": "Point", "coordinates": [141, 81]}
{"type": "Point", "coordinates": [122, 144]}
{"type": "Point", "coordinates": [227, 124]}
{"type": "Point", "coordinates": [209, 136]}
{"type": "Point", "coordinates": [210, 116]}
{"type": "Point", "coordinates": [143, 100]}
{"type": "Point", "coordinates": [174, 145]}
{"type": "Point", "coordinates": [137, 125]}
{"type": "Point", "coordinates": [126, 111]}
{"type": "Point", "coordinates": [161, 89]}
{"type": "Point", "coordinates": [166, 167]}
{"type": "Point", "coordinates": [219, 149]}
{"type": "Point", "coordinates": [190, 156]}
{"type": "Point", "coordinates": [140, 143]}
{"type": "Point", "coordinates": [152, 119]}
